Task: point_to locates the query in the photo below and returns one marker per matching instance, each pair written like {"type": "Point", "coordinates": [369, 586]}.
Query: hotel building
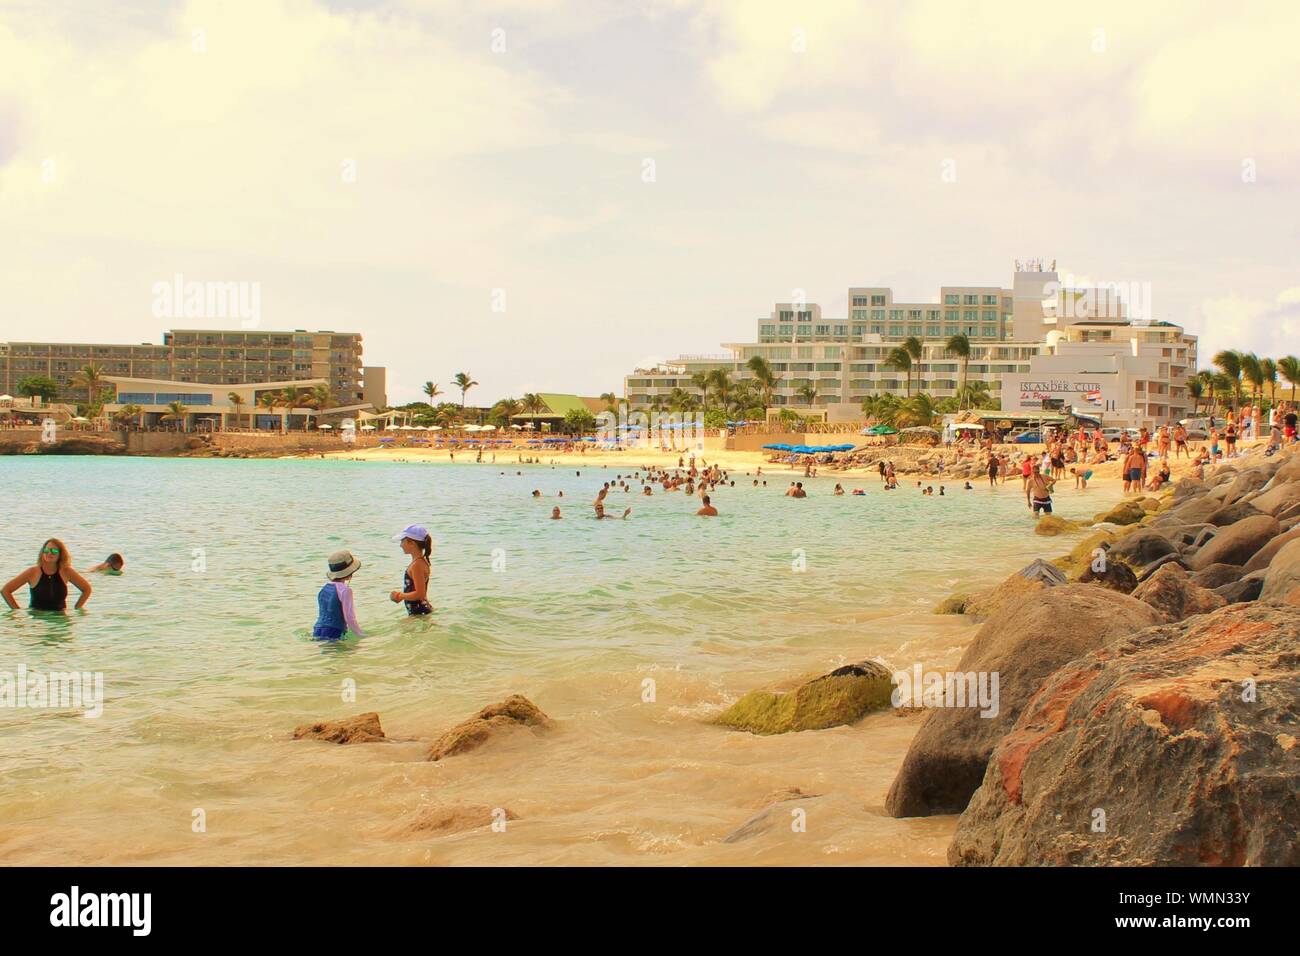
{"type": "Point", "coordinates": [1018, 335]}
{"type": "Point", "coordinates": [206, 356]}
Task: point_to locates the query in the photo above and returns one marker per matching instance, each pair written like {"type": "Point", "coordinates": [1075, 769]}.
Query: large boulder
{"type": "Point", "coordinates": [1115, 575]}
{"type": "Point", "coordinates": [1236, 543]}
{"type": "Point", "coordinates": [1231, 514]}
{"type": "Point", "coordinates": [1217, 575]}
{"type": "Point", "coordinates": [840, 697]}
{"type": "Point", "coordinates": [1126, 512]}
{"type": "Point", "coordinates": [1189, 487]}
{"type": "Point", "coordinates": [361, 729]}
{"type": "Point", "coordinates": [1264, 556]}
{"type": "Point", "coordinates": [513, 713]}
{"type": "Point", "coordinates": [1278, 500]}
{"type": "Point", "coordinates": [1283, 574]}
{"type": "Point", "coordinates": [1033, 577]}
{"type": "Point", "coordinates": [1172, 593]}
{"type": "Point", "coordinates": [1245, 483]}
{"type": "Point", "coordinates": [1141, 547]}
{"type": "Point", "coordinates": [1243, 589]}
{"type": "Point", "coordinates": [1022, 643]}
{"type": "Point", "coordinates": [1287, 471]}
{"type": "Point", "coordinates": [1054, 525]}
{"type": "Point", "coordinates": [1153, 752]}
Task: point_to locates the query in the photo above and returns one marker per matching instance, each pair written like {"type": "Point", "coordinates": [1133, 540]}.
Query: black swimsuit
{"type": "Point", "coordinates": [414, 607]}
{"type": "Point", "coordinates": [50, 593]}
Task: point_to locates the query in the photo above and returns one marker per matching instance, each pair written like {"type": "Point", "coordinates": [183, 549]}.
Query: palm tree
{"type": "Point", "coordinates": [291, 397]}
{"type": "Point", "coordinates": [1195, 389]}
{"type": "Point", "coordinates": [680, 400]}
{"type": "Point", "coordinates": [127, 412]}
{"type": "Point", "coordinates": [959, 345]}
{"type": "Point", "coordinates": [91, 378]}
{"type": "Point", "coordinates": [269, 401]}
{"type": "Point", "coordinates": [915, 348]}
{"type": "Point", "coordinates": [1253, 372]}
{"type": "Point", "coordinates": [883, 408]}
{"type": "Point", "coordinates": [463, 382]}
{"type": "Point", "coordinates": [808, 393]}
{"type": "Point", "coordinates": [176, 412]}
{"type": "Point", "coordinates": [432, 390]}
{"type": "Point", "coordinates": [919, 409]}
{"type": "Point", "coordinates": [1269, 368]}
{"type": "Point", "coordinates": [237, 402]}
{"type": "Point", "coordinates": [321, 398]}
{"type": "Point", "coordinates": [764, 376]}
{"type": "Point", "coordinates": [1289, 367]}
{"type": "Point", "coordinates": [976, 395]}
{"type": "Point", "coordinates": [611, 401]}
{"type": "Point", "coordinates": [719, 381]}
{"type": "Point", "coordinates": [1229, 363]}
{"type": "Point", "coordinates": [901, 360]}
{"type": "Point", "coordinates": [504, 410]}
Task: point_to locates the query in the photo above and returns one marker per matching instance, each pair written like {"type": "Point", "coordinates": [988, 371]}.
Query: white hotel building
{"type": "Point", "coordinates": [1031, 342]}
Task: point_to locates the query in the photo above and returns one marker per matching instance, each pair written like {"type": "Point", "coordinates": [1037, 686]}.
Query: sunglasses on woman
{"type": "Point", "coordinates": [52, 552]}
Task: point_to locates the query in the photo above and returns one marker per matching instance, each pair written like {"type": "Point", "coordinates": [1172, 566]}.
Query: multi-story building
{"type": "Point", "coordinates": [846, 360]}
{"type": "Point", "coordinates": [205, 356]}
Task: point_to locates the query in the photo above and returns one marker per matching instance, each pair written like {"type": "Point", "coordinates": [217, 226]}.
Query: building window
{"type": "Point", "coordinates": [877, 300]}
{"type": "Point", "coordinates": [952, 298]}
{"type": "Point", "coordinates": [972, 300]}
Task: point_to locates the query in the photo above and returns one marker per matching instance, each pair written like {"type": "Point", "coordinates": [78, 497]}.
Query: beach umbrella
{"type": "Point", "coordinates": [325, 427]}
{"type": "Point", "coordinates": [488, 428]}
{"type": "Point", "coordinates": [435, 428]}
{"type": "Point", "coordinates": [367, 428]}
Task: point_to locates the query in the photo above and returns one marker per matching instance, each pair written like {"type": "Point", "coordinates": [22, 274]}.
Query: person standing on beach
{"type": "Point", "coordinates": [993, 471]}
{"type": "Point", "coordinates": [1135, 470]}
{"type": "Point", "coordinates": [418, 545]}
{"type": "Point", "coordinates": [47, 580]}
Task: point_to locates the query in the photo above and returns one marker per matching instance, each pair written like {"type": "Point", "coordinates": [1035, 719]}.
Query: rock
{"type": "Point", "coordinates": [1194, 511]}
{"type": "Point", "coordinates": [82, 445]}
{"type": "Point", "coordinates": [1243, 589]}
{"type": "Point", "coordinates": [1217, 575]}
{"type": "Point", "coordinates": [1189, 488]}
{"type": "Point", "coordinates": [1287, 471]}
{"type": "Point", "coordinates": [1054, 525]}
{"type": "Point", "coordinates": [953, 604]}
{"type": "Point", "coordinates": [1245, 483]}
{"type": "Point", "coordinates": [361, 729]}
{"type": "Point", "coordinates": [784, 795]}
{"type": "Point", "coordinates": [1236, 543]}
{"type": "Point", "coordinates": [516, 711]}
{"type": "Point", "coordinates": [453, 818]}
{"type": "Point", "coordinates": [1231, 514]}
{"type": "Point", "coordinates": [1152, 731]}
{"type": "Point", "coordinates": [1115, 575]}
{"type": "Point", "coordinates": [1142, 547]}
{"type": "Point", "coordinates": [1032, 577]}
{"type": "Point", "coordinates": [1172, 593]}
{"type": "Point", "coordinates": [1022, 642]}
{"type": "Point", "coordinates": [1262, 557]}
{"type": "Point", "coordinates": [1283, 573]}
{"type": "Point", "coordinates": [840, 697]}
{"type": "Point", "coordinates": [1147, 570]}
{"type": "Point", "coordinates": [1278, 500]}
{"type": "Point", "coordinates": [1149, 504]}
{"type": "Point", "coordinates": [768, 819]}
{"type": "Point", "coordinates": [1126, 512]}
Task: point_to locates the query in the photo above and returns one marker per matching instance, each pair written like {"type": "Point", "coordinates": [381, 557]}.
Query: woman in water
{"type": "Point", "coordinates": [48, 580]}
{"type": "Point", "coordinates": [415, 582]}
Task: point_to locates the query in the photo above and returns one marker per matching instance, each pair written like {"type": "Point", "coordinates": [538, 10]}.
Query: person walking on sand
{"type": "Point", "coordinates": [417, 545]}
{"type": "Point", "coordinates": [47, 580]}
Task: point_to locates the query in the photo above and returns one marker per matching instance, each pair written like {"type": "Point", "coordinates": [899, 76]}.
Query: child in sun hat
{"type": "Point", "coordinates": [337, 614]}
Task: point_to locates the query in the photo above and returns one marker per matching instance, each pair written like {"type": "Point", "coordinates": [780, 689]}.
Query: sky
{"type": "Point", "coordinates": [547, 194]}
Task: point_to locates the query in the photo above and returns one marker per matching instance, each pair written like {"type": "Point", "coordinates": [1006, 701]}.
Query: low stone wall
{"type": "Point", "coordinates": [19, 436]}
{"type": "Point", "coordinates": [288, 444]}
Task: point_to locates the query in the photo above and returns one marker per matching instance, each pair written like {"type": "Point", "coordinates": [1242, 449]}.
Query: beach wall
{"type": "Point", "coordinates": [151, 443]}
{"type": "Point", "coordinates": [292, 443]}
{"type": "Point", "coordinates": [19, 436]}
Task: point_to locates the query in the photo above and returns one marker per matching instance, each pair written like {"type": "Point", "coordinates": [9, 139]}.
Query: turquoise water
{"type": "Point", "coordinates": [204, 645]}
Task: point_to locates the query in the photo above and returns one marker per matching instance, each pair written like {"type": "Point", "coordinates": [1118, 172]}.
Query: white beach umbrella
{"type": "Point", "coordinates": [367, 428]}
{"type": "Point", "coordinates": [435, 428]}
{"type": "Point", "coordinates": [325, 426]}
{"type": "Point", "coordinates": [473, 428]}
{"type": "Point", "coordinates": [488, 428]}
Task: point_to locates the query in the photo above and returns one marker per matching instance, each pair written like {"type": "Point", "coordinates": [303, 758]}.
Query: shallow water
{"type": "Point", "coordinates": [207, 664]}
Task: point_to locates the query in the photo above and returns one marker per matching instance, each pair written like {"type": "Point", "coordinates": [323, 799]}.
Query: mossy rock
{"type": "Point", "coordinates": [840, 697]}
{"type": "Point", "coordinates": [1054, 525]}
{"type": "Point", "coordinates": [953, 604]}
{"type": "Point", "coordinates": [1150, 504]}
{"type": "Point", "coordinates": [1126, 512]}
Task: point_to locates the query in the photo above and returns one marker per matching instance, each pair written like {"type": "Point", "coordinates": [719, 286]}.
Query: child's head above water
{"type": "Point", "coordinates": [341, 566]}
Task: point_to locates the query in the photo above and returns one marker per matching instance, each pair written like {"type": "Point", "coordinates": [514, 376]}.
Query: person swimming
{"type": "Point", "coordinates": [336, 614]}
{"type": "Point", "coordinates": [417, 544]}
{"type": "Point", "coordinates": [47, 580]}
{"type": "Point", "coordinates": [708, 511]}
{"type": "Point", "coordinates": [113, 564]}
{"type": "Point", "coordinates": [555, 513]}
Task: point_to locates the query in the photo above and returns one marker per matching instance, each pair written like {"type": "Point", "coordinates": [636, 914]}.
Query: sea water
{"type": "Point", "coordinates": [629, 634]}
